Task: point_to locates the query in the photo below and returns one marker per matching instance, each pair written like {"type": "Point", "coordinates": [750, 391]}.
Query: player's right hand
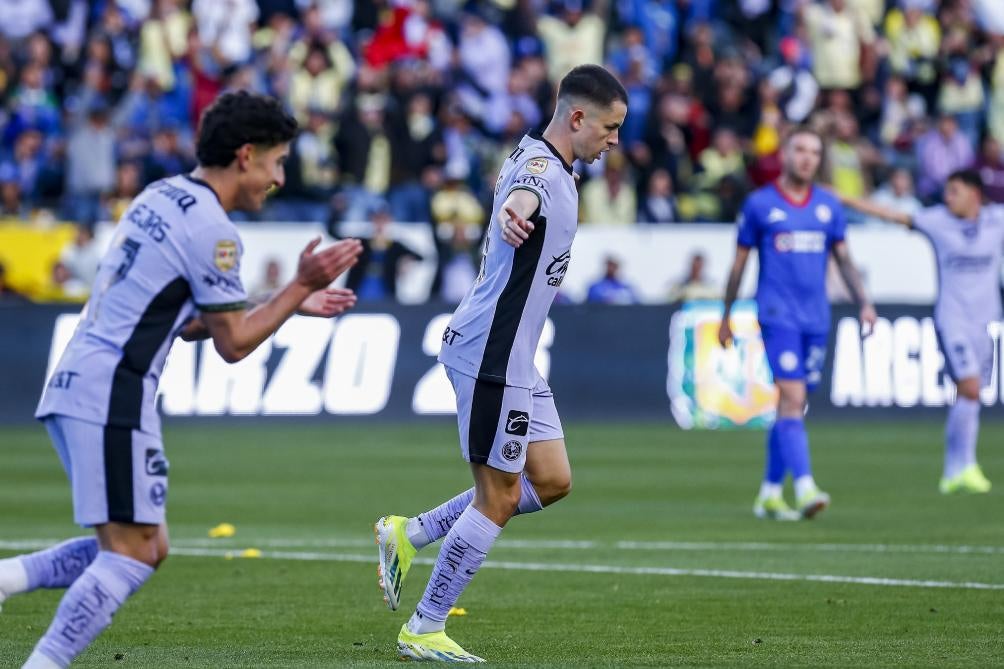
{"type": "Point", "coordinates": [515, 228]}
{"type": "Point", "coordinates": [318, 270]}
{"type": "Point", "coordinates": [725, 333]}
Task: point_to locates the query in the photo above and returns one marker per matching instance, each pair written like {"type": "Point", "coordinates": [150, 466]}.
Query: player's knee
{"type": "Point", "coordinates": [969, 391]}
{"type": "Point", "coordinates": [556, 489]}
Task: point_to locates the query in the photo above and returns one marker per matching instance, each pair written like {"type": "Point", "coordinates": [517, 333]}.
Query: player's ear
{"type": "Point", "coordinates": [245, 154]}
{"type": "Point", "coordinates": [577, 118]}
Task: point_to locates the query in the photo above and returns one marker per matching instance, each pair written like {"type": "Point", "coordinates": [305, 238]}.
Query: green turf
{"type": "Point", "coordinates": [317, 490]}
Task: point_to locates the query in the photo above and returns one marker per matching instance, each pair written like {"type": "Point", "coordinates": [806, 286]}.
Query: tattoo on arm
{"type": "Point", "coordinates": [850, 274]}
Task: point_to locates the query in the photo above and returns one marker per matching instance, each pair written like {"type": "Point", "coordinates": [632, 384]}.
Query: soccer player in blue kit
{"type": "Point", "coordinates": [968, 241]}
{"type": "Point", "coordinates": [173, 269]}
{"type": "Point", "coordinates": [795, 227]}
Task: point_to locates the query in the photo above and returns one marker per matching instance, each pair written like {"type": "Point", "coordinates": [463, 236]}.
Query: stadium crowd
{"type": "Point", "coordinates": [408, 107]}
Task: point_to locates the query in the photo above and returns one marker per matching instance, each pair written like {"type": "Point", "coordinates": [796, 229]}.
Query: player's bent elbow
{"type": "Point", "coordinates": [229, 352]}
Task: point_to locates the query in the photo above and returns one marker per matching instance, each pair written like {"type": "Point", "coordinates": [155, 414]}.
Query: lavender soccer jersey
{"type": "Point", "coordinates": [175, 252]}
{"type": "Point", "coordinates": [493, 334]}
{"type": "Point", "coordinates": [969, 257]}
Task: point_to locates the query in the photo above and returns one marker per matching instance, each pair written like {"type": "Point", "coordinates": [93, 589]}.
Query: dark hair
{"type": "Point", "coordinates": [238, 118]}
{"type": "Point", "coordinates": [969, 177]}
{"type": "Point", "coordinates": [593, 84]}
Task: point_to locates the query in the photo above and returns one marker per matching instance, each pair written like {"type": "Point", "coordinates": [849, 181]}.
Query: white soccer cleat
{"type": "Point", "coordinates": [812, 503]}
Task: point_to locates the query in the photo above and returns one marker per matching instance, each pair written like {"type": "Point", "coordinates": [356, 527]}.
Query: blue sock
{"type": "Point", "coordinates": [88, 606]}
{"type": "Point", "coordinates": [794, 446]}
{"type": "Point", "coordinates": [438, 521]}
{"type": "Point", "coordinates": [61, 565]}
{"type": "Point", "coordinates": [774, 466]}
{"type": "Point", "coordinates": [961, 433]}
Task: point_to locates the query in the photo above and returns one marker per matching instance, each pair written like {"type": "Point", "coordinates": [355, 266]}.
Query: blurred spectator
{"type": "Point", "coordinates": [418, 149]}
{"type": "Point", "coordinates": [897, 194]}
{"type": "Point", "coordinates": [167, 157]}
{"type": "Point", "coordinates": [573, 37]}
{"type": "Point", "coordinates": [796, 87]}
{"type": "Point", "coordinates": [611, 289]}
{"type": "Point", "coordinates": [23, 17]}
{"type": "Point", "coordinates": [62, 287]}
{"type": "Point", "coordinates": [128, 184]}
{"type": "Point", "coordinates": [941, 151]}
{"type": "Point", "coordinates": [11, 204]}
{"type": "Point", "coordinates": [318, 83]}
{"type": "Point", "coordinates": [164, 40]}
{"type": "Point", "coordinates": [81, 258]}
{"type": "Point", "coordinates": [914, 38]}
{"type": "Point", "coordinates": [990, 164]}
{"type": "Point", "coordinates": [695, 285]}
{"type": "Point", "coordinates": [838, 35]}
{"type": "Point", "coordinates": [225, 25]}
{"type": "Point", "coordinates": [457, 264]}
{"type": "Point", "coordinates": [9, 296]}
{"type": "Point", "coordinates": [962, 96]}
{"type": "Point", "coordinates": [374, 277]}
{"type": "Point", "coordinates": [90, 168]}
{"type": "Point", "coordinates": [454, 205]}
{"type": "Point", "coordinates": [484, 58]}
{"type": "Point", "coordinates": [723, 158]}
{"type": "Point", "coordinates": [364, 156]}
{"type": "Point", "coordinates": [995, 121]}
{"type": "Point", "coordinates": [271, 280]}
{"type": "Point", "coordinates": [849, 158]}
{"type": "Point", "coordinates": [611, 199]}
{"type": "Point", "coordinates": [659, 203]}
{"type": "Point", "coordinates": [901, 114]}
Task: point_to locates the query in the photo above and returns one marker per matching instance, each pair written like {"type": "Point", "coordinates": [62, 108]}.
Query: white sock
{"type": "Point", "coordinates": [416, 533]}
{"type": "Point", "coordinates": [13, 577]}
{"type": "Point", "coordinates": [39, 661]}
{"type": "Point", "coordinates": [769, 490]}
{"type": "Point", "coordinates": [419, 624]}
{"type": "Point", "coordinates": [804, 485]}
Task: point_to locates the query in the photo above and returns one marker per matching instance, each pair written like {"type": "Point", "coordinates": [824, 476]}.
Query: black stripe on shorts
{"type": "Point", "coordinates": [486, 407]}
{"type": "Point", "coordinates": [118, 474]}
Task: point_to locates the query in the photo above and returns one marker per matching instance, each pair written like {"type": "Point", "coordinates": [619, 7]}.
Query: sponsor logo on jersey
{"type": "Point", "coordinates": [63, 380]}
{"type": "Point", "coordinates": [511, 450]}
{"type": "Point", "coordinates": [179, 196]}
{"type": "Point", "coordinates": [824, 214]}
{"type": "Point", "coordinates": [529, 180]}
{"type": "Point", "coordinates": [225, 255]}
{"type": "Point", "coordinates": [156, 463]}
{"type": "Point", "coordinates": [450, 335]}
{"type": "Point", "coordinates": [557, 267]}
{"type": "Point", "coordinates": [149, 221]}
{"type": "Point", "coordinates": [800, 241]}
{"type": "Point", "coordinates": [776, 215]}
{"type": "Point", "coordinates": [517, 423]}
{"type": "Point", "coordinates": [214, 280]}
{"type": "Point", "coordinates": [536, 165]}
{"type": "Point", "coordinates": [158, 494]}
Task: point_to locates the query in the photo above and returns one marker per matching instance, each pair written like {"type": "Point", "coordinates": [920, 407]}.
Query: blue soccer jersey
{"type": "Point", "coordinates": [793, 240]}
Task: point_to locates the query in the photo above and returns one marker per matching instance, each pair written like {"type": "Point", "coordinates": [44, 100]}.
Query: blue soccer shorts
{"type": "Point", "coordinates": [795, 355]}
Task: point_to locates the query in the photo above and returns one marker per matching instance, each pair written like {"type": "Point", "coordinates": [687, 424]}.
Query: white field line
{"type": "Point", "coordinates": [544, 544]}
{"type": "Point", "coordinates": [590, 568]}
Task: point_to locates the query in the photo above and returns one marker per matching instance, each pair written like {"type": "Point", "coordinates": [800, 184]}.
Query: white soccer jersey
{"type": "Point", "coordinates": [969, 264]}
{"type": "Point", "coordinates": [493, 334]}
{"type": "Point", "coordinates": [175, 252]}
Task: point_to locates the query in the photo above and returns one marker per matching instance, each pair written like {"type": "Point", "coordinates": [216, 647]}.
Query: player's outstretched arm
{"type": "Point", "coordinates": [852, 278]}
{"type": "Point", "coordinates": [514, 216]}
{"type": "Point", "coordinates": [731, 292]}
{"type": "Point", "coordinates": [877, 210]}
{"type": "Point", "coordinates": [237, 333]}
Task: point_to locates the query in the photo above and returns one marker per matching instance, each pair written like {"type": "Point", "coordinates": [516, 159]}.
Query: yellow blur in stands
{"type": "Point", "coordinates": [29, 254]}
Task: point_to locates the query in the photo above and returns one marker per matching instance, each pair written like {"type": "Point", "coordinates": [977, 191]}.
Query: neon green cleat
{"type": "Point", "coordinates": [432, 647]}
{"type": "Point", "coordinates": [970, 480]}
{"type": "Point", "coordinates": [396, 553]}
{"type": "Point", "coordinates": [773, 508]}
{"type": "Point", "coordinates": [812, 502]}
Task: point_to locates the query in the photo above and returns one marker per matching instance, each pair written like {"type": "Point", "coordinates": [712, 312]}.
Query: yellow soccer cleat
{"type": "Point", "coordinates": [396, 553]}
{"type": "Point", "coordinates": [970, 480]}
{"type": "Point", "coordinates": [774, 508]}
{"type": "Point", "coordinates": [813, 502]}
{"type": "Point", "coordinates": [432, 647]}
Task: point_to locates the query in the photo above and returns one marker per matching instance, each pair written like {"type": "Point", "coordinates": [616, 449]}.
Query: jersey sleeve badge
{"type": "Point", "coordinates": [225, 255]}
{"type": "Point", "coordinates": [536, 165]}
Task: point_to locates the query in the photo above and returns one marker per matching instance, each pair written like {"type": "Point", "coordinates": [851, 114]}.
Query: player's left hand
{"type": "Point", "coordinates": [327, 302]}
{"type": "Point", "coordinates": [515, 228]}
{"type": "Point", "coordinates": [868, 316]}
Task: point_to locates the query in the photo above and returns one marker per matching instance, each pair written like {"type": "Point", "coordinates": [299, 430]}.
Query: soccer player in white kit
{"type": "Point", "coordinates": [172, 270]}
{"type": "Point", "coordinates": [509, 429]}
{"type": "Point", "coordinates": [968, 241]}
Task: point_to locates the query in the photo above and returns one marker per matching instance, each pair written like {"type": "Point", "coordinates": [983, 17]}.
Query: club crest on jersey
{"type": "Point", "coordinates": [225, 255]}
{"type": "Point", "coordinates": [776, 215]}
{"type": "Point", "coordinates": [824, 214]}
{"type": "Point", "coordinates": [536, 165]}
{"type": "Point", "coordinates": [511, 450]}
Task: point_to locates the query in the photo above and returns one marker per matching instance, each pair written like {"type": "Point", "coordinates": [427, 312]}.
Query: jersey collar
{"type": "Point", "coordinates": [540, 138]}
{"type": "Point", "coordinates": [790, 200]}
{"type": "Point", "coordinates": [200, 182]}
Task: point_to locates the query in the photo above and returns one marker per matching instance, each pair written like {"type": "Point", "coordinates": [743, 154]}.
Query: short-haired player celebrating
{"type": "Point", "coordinates": [509, 429]}
{"type": "Point", "coordinates": [795, 227]}
{"type": "Point", "coordinates": [173, 269]}
{"type": "Point", "coordinates": [968, 240]}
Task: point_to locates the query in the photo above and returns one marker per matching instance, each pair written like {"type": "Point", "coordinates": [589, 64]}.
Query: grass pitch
{"type": "Point", "coordinates": [654, 560]}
